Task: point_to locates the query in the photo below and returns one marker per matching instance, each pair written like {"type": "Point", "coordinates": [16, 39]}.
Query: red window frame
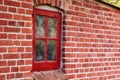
{"type": "Point", "coordinates": [47, 64]}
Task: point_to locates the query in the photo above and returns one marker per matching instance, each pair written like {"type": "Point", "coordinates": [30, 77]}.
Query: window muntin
{"type": "Point", "coordinates": [46, 40]}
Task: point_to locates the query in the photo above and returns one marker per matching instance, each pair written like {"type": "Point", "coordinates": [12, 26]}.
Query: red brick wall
{"type": "Point", "coordinates": [91, 44]}
{"type": "Point", "coordinates": [15, 39]}
{"type": "Point", "coordinates": [91, 39]}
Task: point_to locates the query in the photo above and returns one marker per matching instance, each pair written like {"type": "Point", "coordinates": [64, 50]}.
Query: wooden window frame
{"type": "Point", "coordinates": [47, 64]}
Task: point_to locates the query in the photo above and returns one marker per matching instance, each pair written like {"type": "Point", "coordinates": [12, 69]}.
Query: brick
{"type": "Point", "coordinates": [75, 18]}
{"type": "Point", "coordinates": [27, 62]}
{"type": "Point", "coordinates": [29, 12]}
{"type": "Point", "coordinates": [12, 3]}
{"type": "Point", "coordinates": [101, 73]}
{"type": "Point", "coordinates": [26, 30]}
{"type": "Point", "coordinates": [11, 63]}
{"type": "Point", "coordinates": [1, 56]}
{"type": "Point", "coordinates": [12, 9]}
{"type": "Point", "coordinates": [20, 36]}
{"type": "Point", "coordinates": [14, 69]}
{"type": "Point", "coordinates": [16, 42]}
{"type": "Point", "coordinates": [2, 49]}
{"type": "Point", "coordinates": [16, 17]}
{"type": "Point", "coordinates": [2, 77]}
{"type": "Point", "coordinates": [69, 55]}
{"type": "Point", "coordinates": [26, 43]}
{"type": "Point", "coordinates": [3, 8]}
{"type": "Point", "coordinates": [20, 49]}
{"type": "Point", "coordinates": [94, 12]}
{"type": "Point", "coordinates": [1, 29]}
{"type": "Point", "coordinates": [96, 7]}
{"type": "Point", "coordinates": [81, 75]}
{"type": "Point", "coordinates": [5, 42]}
{"type": "Point", "coordinates": [82, 14]}
{"type": "Point", "coordinates": [26, 55]}
{"type": "Point", "coordinates": [22, 11]}
{"type": "Point", "coordinates": [27, 18]}
{"type": "Point", "coordinates": [10, 76]}
{"type": "Point", "coordinates": [20, 62]}
{"type": "Point", "coordinates": [21, 24]}
{"type": "Point", "coordinates": [18, 75]}
{"type": "Point", "coordinates": [3, 63]}
{"type": "Point", "coordinates": [73, 23]}
{"type": "Point", "coordinates": [4, 70]}
{"type": "Point", "coordinates": [6, 15]}
{"type": "Point", "coordinates": [28, 24]}
{"type": "Point", "coordinates": [24, 68]}
{"type": "Point", "coordinates": [105, 9]}
{"type": "Point", "coordinates": [78, 3]}
{"type": "Point", "coordinates": [3, 22]}
{"type": "Point", "coordinates": [92, 74]}
{"type": "Point", "coordinates": [72, 12]}
{"type": "Point", "coordinates": [1, 2]}
{"type": "Point", "coordinates": [12, 49]}
{"type": "Point", "coordinates": [9, 29]}
{"type": "Point", "coordinates": [87, 5]}
{"type": "Point", "coordinates": [3, 36]}
{"type": "Point", "coordinates": [29, 1]}
{"type": "Point", "coordinates": [11, 56]}
{"type": "Point", "coordinates": [28, 36]}
{"type": "Point", "coordinates": [11, 36]}
{"type": "Point", "coordinates": [76, 8]}
{"type": "Point", "coordinates": [12, 23]}
{"type": "Point", "coordinates": [70, 65]}
{"type": "Point", "coordinates": [28, 49]}
{"type": "Point", "coordinates": [26, 5]}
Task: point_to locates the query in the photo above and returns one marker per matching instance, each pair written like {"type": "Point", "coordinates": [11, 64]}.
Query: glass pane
{"type": "Point", "coordinates": [40, 28]}
{"type": "Point", "coordinates": [52, 23]}
{"type": "Point", "coordinates": [51, 50]}
{"type": "Point", "coordinates": [40, 47]}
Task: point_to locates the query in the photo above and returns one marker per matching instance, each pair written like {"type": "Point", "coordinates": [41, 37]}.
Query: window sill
{"type": "Point", "coordinates": [49, 75]}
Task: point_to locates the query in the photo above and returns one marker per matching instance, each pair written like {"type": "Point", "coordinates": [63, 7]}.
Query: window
{"type": "Point", "coordinates": [46, 40]}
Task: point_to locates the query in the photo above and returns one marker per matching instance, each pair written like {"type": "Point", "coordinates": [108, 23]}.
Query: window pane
{"type": "Point", "coordinates": [40, 29]}
{"type": "Point", "coordinates": [40, 47]}
{"type": "Point", "coordinates": [52, 23]}
{"type": "Point", "coordinates": [51, 50]}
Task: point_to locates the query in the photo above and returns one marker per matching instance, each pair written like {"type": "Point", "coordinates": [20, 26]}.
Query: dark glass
{"type": "Point", "coordinates": [51, 50]}
{"type": "Point", "coordinates": [40, 47]}
{"type": "Point", "coordinates": [52, 26]}
{"type": "Point", "coordinates": [40, 28]}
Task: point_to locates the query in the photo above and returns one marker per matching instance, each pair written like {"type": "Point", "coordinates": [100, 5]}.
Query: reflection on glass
{"type": "Point", "coordinates": [40, 46]}
{"type": "Point", "coordinates": [52, 23]}
{"type": "Point", "coordinates": [51, 50]}
{"type": "Point", "coordinates": [40, 28]}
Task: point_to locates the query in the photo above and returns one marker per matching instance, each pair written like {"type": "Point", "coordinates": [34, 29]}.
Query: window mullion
{"type": "Point", "coordinates": [46, 51]}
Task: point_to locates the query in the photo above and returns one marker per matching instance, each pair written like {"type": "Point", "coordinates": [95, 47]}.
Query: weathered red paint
{"type": "Point", "coordinates": [46, 64]}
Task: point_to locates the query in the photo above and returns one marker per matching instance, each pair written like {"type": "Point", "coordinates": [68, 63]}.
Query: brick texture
{"type": "Point", "coordinates": [90, 39]}
{"type": "Point", "coordinates": [14, 33]}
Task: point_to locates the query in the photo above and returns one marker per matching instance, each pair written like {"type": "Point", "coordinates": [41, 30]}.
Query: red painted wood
{"type": "Point", "coordinates": [46, 38]}
{"type": "Point", "coordinates": [46, 64]}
